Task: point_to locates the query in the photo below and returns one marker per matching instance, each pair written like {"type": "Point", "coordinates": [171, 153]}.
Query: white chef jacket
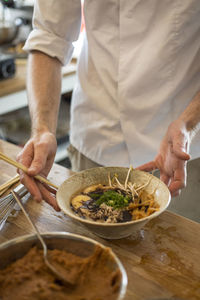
{"type": "Point", "coordinates": [138, 70]}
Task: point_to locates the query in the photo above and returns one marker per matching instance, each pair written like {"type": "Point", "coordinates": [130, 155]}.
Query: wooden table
{"type": "Point", "coordinates": [162, 261]}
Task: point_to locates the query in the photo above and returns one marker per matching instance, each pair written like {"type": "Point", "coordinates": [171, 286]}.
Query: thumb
{"type": "Point", "coordinates": [38, 163]}
{"type": "Point", "coordinates": [150, 166]}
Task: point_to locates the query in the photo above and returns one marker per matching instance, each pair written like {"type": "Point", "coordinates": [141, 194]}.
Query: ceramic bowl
{"type": "Point", "coordinates": [83, 179]}
{"type": "Point", "coordinates": [73, 243]}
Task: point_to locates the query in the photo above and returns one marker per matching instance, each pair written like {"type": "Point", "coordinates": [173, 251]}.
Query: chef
{"type": "Point", "coordinates": [137, 97]}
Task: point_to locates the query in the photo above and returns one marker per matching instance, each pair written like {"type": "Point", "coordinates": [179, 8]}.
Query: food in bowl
{"type": "Point", "coordinates": [29, 278]}
{"type": "Point", "coordinates": [115, 202]}
{"type": "Point", "coordinates": [75, 184]}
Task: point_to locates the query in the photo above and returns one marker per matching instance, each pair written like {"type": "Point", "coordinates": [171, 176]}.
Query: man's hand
{"type": "Point", "coordinates": [172, 157]}
{"type": "Point", "coordinates": [38, 156]}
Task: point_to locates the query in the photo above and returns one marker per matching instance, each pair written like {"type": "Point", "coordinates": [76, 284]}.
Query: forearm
{"type": "Point", "coordinates": [191, 116]}
{"type": "Point", "coordinates": [44, 88]}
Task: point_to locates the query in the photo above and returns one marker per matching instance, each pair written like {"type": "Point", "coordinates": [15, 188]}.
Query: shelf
{"type": "Point", "coordinates": [19, 100]}
{"type": "Point", "coordinates": [13, 94]}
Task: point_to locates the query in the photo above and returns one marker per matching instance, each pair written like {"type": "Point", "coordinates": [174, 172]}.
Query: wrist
{"type": "Point", "coordinates": [42, 130]}
{"type": "Point", "coordinates": [43, 127]}
{"type": "Point", "coordinates": [190, 124]}
{"type": "Point", "coordinates": [191, 116]}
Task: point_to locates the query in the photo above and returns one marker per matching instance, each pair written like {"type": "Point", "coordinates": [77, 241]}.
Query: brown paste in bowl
{"type": "Point", "coordinates": [28, 278]}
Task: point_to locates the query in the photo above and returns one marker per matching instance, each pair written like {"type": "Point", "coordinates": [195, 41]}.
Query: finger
{"type": "Point", "coordinates": [48, 197]}
{"type": "Point", "coordinates": [180, 147]}
{"type": "Point", "coordinates": [165, 178]}
{"type": "Point", "coordinates": [175, 194]}
{"type": "Point", "coordinates": [179, 178]}
{"type": "Point", "coordinates": [39, 160]}
{"type": "Point", "coordinates": [25, 156]}
{"type": "Point", "coordinates": [175, 187]}
{"type": "Point", "coordinates": [49, 163]}
{"type": "Point", "coordinates": [31, 185]}
{"type": "Point", "coordinates": [49, 188]}
{"type": "Point", "coordinates": [150, 166]}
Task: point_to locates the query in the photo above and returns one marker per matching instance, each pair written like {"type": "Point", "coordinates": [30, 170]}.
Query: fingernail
{"type": "Point", "coordinates": [32, 170]}
{"type": "Point", "coordinates": [37, 199]}
{"type": "Point", "coordinates": [57, 208]}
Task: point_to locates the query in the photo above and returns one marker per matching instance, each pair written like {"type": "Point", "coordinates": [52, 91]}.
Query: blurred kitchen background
{"type": "Point", "coordinates": [15, 25]}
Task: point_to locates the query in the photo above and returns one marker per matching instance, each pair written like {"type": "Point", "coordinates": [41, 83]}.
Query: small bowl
{"type": "Point", "coordinates": [76, 183]}
{"type": "Point", "coordinates": [81, 246]}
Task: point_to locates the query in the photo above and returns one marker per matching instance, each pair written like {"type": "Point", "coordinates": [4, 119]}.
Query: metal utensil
{"type": "Point", "coordinates": [8, 203]}
{"type": "Point", "coordinates": [48, 264]}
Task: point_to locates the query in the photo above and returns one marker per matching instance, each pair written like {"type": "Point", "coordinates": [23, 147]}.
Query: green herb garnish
{"type": "Point", "coordinates": [95, 196]}
{"type": "Point", "coordinates": [114, 199]}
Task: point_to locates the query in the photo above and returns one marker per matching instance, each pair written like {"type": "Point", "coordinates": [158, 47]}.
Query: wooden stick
{"type": "Point", "coordinates": [5, 186]}
{"type": "Point", "coordinates": [25, 169]}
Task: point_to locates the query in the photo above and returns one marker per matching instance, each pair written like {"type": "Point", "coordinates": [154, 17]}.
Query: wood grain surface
{"type": "Point", "coordinates": [162, 260]}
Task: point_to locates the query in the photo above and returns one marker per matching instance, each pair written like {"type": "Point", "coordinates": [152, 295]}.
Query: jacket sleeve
{"type": "Point", "coordinates": [56, 25]}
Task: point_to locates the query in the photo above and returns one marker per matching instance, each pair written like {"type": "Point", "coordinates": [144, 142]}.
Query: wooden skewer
{"type": "Point", "coordinates": [25, 169]}
{"type": "Point", "coordinates": [4, 187]}
{"type": "Point", "coordinates": [3, 191]}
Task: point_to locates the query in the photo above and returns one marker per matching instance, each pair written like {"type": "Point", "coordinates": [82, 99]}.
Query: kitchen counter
{"type": "Point", "coordinates": [13, 90]}
{"type": "Point", "coordinates": [162, 260]}
{"type": "Point", "coordinates": [18, 82]}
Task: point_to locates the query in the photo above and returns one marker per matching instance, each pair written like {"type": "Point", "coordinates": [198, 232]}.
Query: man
{"type": "Point", "coordinates": [137, 95]}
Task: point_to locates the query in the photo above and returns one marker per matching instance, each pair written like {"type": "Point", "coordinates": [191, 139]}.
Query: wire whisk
{"type": "Point", "coordinates": [8, 204]}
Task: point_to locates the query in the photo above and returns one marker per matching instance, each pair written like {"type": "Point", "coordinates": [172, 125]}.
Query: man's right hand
{"type": "Point", "coordinates": [38, 156]}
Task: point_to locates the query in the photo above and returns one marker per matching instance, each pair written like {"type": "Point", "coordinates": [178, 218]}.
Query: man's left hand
{"type": "Point", "coordinates": [172, 157]}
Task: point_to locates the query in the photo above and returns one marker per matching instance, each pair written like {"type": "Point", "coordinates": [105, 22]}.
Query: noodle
{"type": "Point", "coordinates": [115, 202]}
